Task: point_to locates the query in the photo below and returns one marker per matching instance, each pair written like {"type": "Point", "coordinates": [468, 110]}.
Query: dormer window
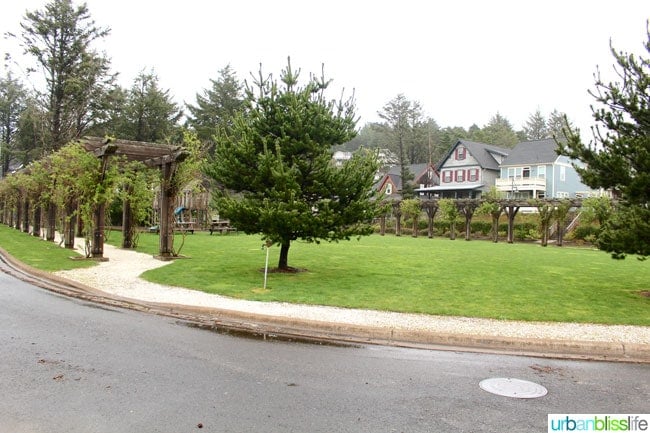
{"type": "Point", "coordinates": [461, 153]}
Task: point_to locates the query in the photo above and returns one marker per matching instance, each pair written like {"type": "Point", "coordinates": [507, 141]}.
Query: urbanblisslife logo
{"type": "Point", "coordinates": [599, 422]}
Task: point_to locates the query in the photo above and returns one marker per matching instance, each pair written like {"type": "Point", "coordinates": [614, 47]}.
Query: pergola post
{"type": "Point", "coordinates": [127, 220]}
{"type": "Point", "coordinates": [99, 219]}
{"type": "Point", "coordinates": [166, 246]}
{"type": "Point", "coordinates": [511, 211]}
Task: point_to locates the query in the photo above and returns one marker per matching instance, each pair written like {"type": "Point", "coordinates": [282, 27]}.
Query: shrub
{"type": "Point", "coordinates": [585, 231]}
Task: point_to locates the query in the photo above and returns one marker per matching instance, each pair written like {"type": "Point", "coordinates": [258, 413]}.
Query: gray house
{"type": "Point", "coordinates": [533, 169]}
{"type": "Point", "coordinates": [468, 170]}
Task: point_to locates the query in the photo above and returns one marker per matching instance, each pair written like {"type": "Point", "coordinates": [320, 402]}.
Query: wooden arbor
{"type": "Point", "coordinates": [163, 156]}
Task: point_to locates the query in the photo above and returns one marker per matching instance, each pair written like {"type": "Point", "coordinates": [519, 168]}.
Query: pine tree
{"type": "Point", "coordinates": [12, 103]}
{"type": "Point", "coordinates": [619, 159]}
{"type": "Point", "coordinates": [216, 106]}
{"type": "Point", "coordinates": [150, 113]}
{"type": "Point", "coordinates": [274, 163]}
{"type": "Point", "coordinates": [499, 132]}
{"type": "Point", "coordinates": [60, 38]}
{"type": "Point", "coordinates": [536, 127]}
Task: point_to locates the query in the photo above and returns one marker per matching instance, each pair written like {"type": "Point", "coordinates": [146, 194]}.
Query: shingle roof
{"type": "Point", "coordinates": [532, 152]}
{"type": "Point", "coordinates": [483, 153]}
{"type": "Point", "coordinates": [415, 169]}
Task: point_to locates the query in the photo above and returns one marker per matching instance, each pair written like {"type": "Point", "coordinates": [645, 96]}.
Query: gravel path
{"type": "Point", "coordinates": [120, 276]}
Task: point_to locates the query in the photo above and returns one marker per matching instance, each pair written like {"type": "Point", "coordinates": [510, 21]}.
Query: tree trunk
{"type": "Point", "coordinates": [51, 222]}
{"type": "Point", "coordinates": [69, 225]}
{"type": "Point", "coordinates": [36, 231]}
{"type": "Point", "coordinates": [283, 263]}
{"type": "Point", "coordinates": [26, 215]}
{"type": "Point", "coordinates": [511, 212]}
{"type": "Point", "coordinates": [495, 228]}
{"type": "Point", "coordinates": [19, 214]}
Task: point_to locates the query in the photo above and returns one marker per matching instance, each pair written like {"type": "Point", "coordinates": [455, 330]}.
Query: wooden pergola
{"type": "Point", "coordinates": [162, 156]}
{"type": "Point", "coordinates": [467, 208]}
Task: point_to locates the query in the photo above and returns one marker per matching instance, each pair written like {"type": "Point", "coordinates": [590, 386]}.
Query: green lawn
{"type": "Point", "coordinates": [33, 251]}
{"type": "Point", "coordinates": [431, 276]}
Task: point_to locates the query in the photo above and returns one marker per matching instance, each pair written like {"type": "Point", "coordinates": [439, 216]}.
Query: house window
{"type": "Point", "coordinates": [541, 171]}
{"type": "Point", "coordinates": [514, 172]}
{"type": "Point", "coordinates": [447, 176]}
{"type": "Point", "coordinates": [525, 172]}
{"type": "Point", "coordinates": [460, 175]}
{"type": "Point", "coordinates": [461, 153]}
{"type": "Point", "coordinates": [562, 173]}
{"type": "Point", "coordinates": [472, 175]}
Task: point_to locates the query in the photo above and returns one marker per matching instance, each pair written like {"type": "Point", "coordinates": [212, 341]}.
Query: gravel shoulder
{"type": "Point", "coordinates": [120, 276]}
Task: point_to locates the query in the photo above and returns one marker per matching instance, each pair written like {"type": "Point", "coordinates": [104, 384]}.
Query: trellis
{"type": "Point", "coordinates": [162, 156]}
{"type": "Point", "coordinates": [467, 208]}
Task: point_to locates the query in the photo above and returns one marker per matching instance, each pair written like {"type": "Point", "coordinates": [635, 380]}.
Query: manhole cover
{"type": "Point", "coordinates": [516, 388]}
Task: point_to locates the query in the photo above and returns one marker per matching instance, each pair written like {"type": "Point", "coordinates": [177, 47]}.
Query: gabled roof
{"type": "Point", "coordinates": [395, 175]}
{"type": "Point", "coordinates": [415, 169]}
{"type": "Point", "coordinates": [533, 152]}
{"type": "Point", "coordinates": [395, 179]}
{"type": "Point", "coordinates": [483, 153]}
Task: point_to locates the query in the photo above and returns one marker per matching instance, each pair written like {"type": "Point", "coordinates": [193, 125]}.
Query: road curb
{"type": "Point", "coordinates": [287, 328]}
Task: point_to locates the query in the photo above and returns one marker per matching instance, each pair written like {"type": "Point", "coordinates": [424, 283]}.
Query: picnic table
{"type": "Point", "coordinates": [221, 226]}
{"type": "Point", "coordinates": [185, 226]}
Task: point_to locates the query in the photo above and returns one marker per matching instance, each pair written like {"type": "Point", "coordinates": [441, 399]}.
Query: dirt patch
{"type": "Point", "coordinates": [288, 270]}
{"type": "Point", "coordinates": [645, 293]}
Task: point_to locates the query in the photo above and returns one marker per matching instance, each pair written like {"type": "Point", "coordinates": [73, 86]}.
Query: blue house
{"type": "Point", "coordinates": [533, 169]}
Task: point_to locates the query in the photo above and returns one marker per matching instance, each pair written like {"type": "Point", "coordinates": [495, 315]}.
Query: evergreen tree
{"type": "Point", "coordinates": [499, 132]}
{"type": "Point", "coordinates": [402, 118]}
{"type": "Point", "coordinates": [536, 127]}
{"type": "Point", "coordinates": [12, 103]}
{"type": "Point", "coordinates": [112, 121]}
{"type": "Point", "coordinates": [216, 106]}
{"type": "Point", "coordinates": [60, 38]}
{"type": "Point", "coordinates": [558, 123]}
{"type": "Point", "coordinates": [32, 134]}
{"type": "Point", "coordinates": [368, 137]}
{"type": "Point", "coordinates": [276, 159]}
{"type": "Point", "coordinates": [150, 113]}
{"type": "Point", "coordinates": [619, 159]}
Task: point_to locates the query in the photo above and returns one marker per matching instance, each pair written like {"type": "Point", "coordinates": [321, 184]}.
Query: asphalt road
{"type": "Point", "coordinates": [71, 366]}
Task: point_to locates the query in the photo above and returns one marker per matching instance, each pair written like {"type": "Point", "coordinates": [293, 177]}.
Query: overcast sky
{"type": "Point", "coordinates": [463, 60]}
